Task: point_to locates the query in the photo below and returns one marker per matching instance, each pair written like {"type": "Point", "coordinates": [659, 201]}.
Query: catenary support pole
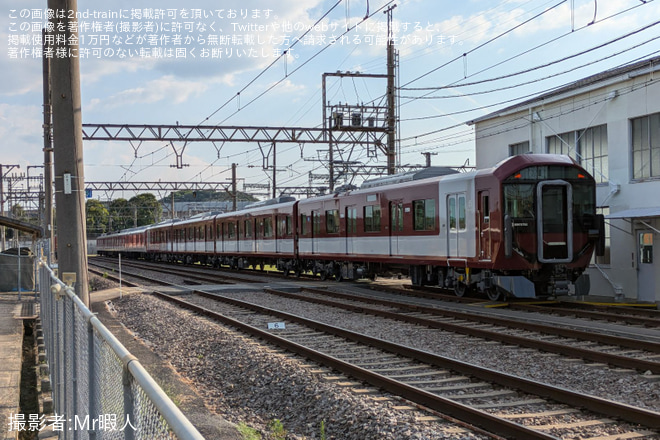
{"type": "Point", "coordinates": [48, 156]}
{"type": "Point", "coordinates": [68, 148]}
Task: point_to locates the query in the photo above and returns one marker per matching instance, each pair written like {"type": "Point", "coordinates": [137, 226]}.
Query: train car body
{"type": "Point", "coordinates": [262, 234]}
{"type": "Point", "coordinates": [525, 228]}
{"type": "Point", "coordinates": [130, 242]}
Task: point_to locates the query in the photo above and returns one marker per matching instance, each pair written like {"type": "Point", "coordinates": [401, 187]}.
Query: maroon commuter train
{"type": "Point", "coordinates": [526, 227]}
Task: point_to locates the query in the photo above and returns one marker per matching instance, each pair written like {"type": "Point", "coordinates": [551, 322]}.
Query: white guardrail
{"type": "Point", "coordinates": [100, 390]}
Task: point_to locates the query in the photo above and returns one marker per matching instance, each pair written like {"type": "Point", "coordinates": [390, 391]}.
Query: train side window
{"type": "Point", "coordinates": [396, 214]}
{"type": "Point", "coordinates": [288, 225]}
{"type": "Point", "coordinates": [424, 215]}
{"type": "Point", "coordinates": [461, 213]}
{"type": "Point", "coordinates": [268, 227]}
{"type": "Point", "coordinates": [316, 223]}
{"type": "Point", "coordinates": [486, 208]}
{"type": "Point", "coordinates": [303, 224]}
{"type": "Point", "coordinates": [231, 230]}
{"type": "Point", "coordinates": [351, 220]}
{"type": "Point", "coordinates": [247, 228]}
{"type": "Point", "coordinates": [332, 221]}
{"type": "Point", "coordinates": [372, 218]}
{"type": "Point", "coordinates": [218, 231]}
{"type": "Point", "coordinates": [452, 213]}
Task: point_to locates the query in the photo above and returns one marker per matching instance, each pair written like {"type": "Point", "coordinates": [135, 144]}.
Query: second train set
{"type": "Point", "coordinates": [524, 228]}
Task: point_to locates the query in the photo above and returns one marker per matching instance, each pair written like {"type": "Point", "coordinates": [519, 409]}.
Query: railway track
{"type": "Point", "coordinates": [497, 398]}
{"type": "Point", "coordinates": [503, 404]}
{"type": "Point", "coordinates": [615, 351]}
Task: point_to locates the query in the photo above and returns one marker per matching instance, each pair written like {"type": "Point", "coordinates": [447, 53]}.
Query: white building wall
{"type": "Point", "coordinates": [614, 102]}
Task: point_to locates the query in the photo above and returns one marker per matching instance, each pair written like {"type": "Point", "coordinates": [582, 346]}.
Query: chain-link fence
{"type": "Point", "coordinates": [100, 390]}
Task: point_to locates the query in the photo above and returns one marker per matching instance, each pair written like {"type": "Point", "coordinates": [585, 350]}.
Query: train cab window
{"type": "Point", "coordinates": [424, 215]}
{"type": "Point", "coordinates": [332, 221]}
{"type": "Point", "coordinates": [268, 227]}
{"type": "Point", "coordinates": [519, 200]}
{"type": "Point", "coordinates": [372, 218]}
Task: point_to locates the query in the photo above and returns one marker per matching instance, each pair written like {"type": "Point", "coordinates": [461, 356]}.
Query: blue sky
{"type": "Point", "coordinates": [441, 45]}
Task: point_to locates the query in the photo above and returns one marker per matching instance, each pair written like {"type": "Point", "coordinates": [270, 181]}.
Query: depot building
{"type": "Point", "coordinates": [610, 124]}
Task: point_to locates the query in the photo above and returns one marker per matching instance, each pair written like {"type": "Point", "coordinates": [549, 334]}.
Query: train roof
{"type": "Point", "coordinates": [394, 179]}
{"type": "Point", "coordinates": [510, 165]}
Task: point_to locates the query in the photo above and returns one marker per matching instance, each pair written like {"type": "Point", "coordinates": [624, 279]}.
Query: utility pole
{"type": "Point", "coordinates": [428, 155]}
{"type": "Point", "coordinates": [48, 155]}
{"type": "Point", "coordinates": [68, 150]}
{"type": "Point", "coordinates": [2, 199]}
{"type": "Point", "coordinates": [391, 93]}
{"type": "Point", "coordinates": [274, 171]}
{"type": "Point", "coordinates": [234, 196]}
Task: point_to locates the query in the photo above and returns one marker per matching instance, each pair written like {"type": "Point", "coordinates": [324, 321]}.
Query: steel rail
{"type": "Point", "coordinates": [551, 347]}
{"type": "Point", "coordinates": [610, 408]}
{"type": "Point", "coordinates": [506, 322]}
{"type": "Point", "coordinates": [634, 320]}
{"type": "Point", "coordinates": [437, 403]}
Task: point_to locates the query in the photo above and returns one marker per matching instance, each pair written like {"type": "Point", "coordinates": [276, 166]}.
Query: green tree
{"type": "Point", "coordinates": [146, 209]}
{"type": "Point", "coordinates": [121, 215]}
{"type": "Point", "coordinates": [97, 217]}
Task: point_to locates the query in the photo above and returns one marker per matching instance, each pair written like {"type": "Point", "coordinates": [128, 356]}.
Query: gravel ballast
{"type": "Point", "coordinates": [245, 381]}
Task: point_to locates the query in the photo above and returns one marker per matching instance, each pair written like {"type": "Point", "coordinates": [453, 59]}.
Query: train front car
{"type": "Point", "coordinates": [549, 226]}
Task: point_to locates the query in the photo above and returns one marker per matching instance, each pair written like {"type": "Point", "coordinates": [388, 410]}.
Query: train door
{"type": "Point", "coordinates": [554, 223]}
{"type": "Point", "coordinates": [455, 205]}
{"type": "Point", "coordinates": [208, 237]}
{"type": "Point", "coordinates": [645, 272]}
{"type": "Point", "coordinates": [351, 228]}
{"type": "Point", "coordinates": [316, 231]}
{"type": "Point", "coordinates": [484, 225]}
{"type": "Point", "coordinates": [396, 225]}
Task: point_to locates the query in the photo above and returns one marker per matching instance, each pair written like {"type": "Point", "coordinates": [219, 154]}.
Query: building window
{"type": "Point", "coordinates": [424, 215]}
{"type": "Point", "coordinates": [592, 145]}
{"type": "Point", "coordinates": [587, 147]}
{"type": "Point", "coordinates": [646, 146]}
{"type": "Point", "coordinates": [332, 221]}
{"type": "Point", "coordinates": [372, 218]}
{"type": "Point", "coordinates": [519, 148]}
{"type": "Point", "coordinates": [563, 144]}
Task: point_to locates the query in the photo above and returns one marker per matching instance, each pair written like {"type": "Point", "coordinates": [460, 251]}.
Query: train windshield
{"type": "Point", "coordinates": [520, 193]}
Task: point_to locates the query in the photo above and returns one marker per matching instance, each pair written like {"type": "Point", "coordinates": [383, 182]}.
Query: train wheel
{"type": "Point", "coordinates": [324, 275]}
{"type": "Point", "coordinates": [494, 293]}
{"type": "Point", "coordinates": [460, 289]}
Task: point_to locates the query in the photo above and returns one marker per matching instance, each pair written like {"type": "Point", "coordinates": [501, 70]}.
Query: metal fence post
{"type": "Point", "coordinates": [74, 371]}
{"type": "Point", "coordinates": [91, 374]}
